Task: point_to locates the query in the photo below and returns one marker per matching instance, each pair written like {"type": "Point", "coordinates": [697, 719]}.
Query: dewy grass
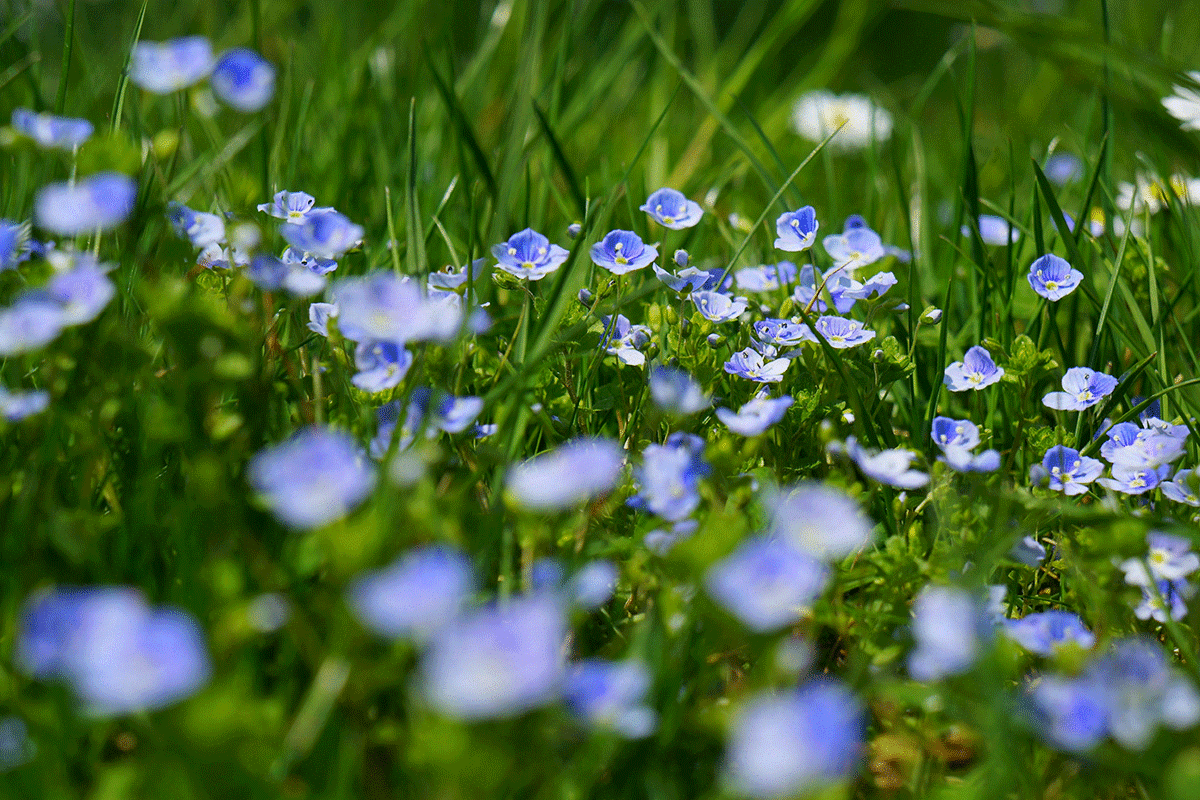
{"type": "Point", "coordinates": [521, 416]}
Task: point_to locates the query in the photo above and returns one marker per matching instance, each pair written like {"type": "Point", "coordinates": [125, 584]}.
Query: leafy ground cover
{"type": "Point", "coordinates": [597, 399]}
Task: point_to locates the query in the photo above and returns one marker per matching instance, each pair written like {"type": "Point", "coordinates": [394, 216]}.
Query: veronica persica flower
{"type": "Point", "coordinates": [529, 255]}
{"type": "Point", "coordinates": [1069, 472]}
{"type": "Point", "coordinates": [317, 476]}
{"type": "Point", "coordinates": [319, 315]}
{"type": "Point", "coordinates": [593, 585]}
{"type": "Point", "coordinates": [795, 742]}
{"type": "Point", "coordinates": [385, 307]}
{"type": "Point", "coordinates": [14, 243]}
{"type": "Point", "coordinates": [949, 432]}
{"type": "Point", "coordinates": [781, 332]}
{"type": "Point", "coordinates": [323, 232]}
{"type": "Point", "coordinates": [165, 67]}
{"type": "Point", "coordinates": [611, 694]}
{"type": "Point", "coordinates": [756, 416]}
{"type": "Point", "coordinates": [960, 459]}
{"type": "Point", "coordinates": [415, 596]}
{"type": "Point", "coordinates": [1082, 388]}
{"type": "Point", "coordinates": [796, 230]}
{"type": "Point", "coordinates": [32, 321]}
{"type": "Point", "coordinates": [1184, 105]}
{"type": "Point", "coordinates": [1169, 603]}
{"type": "Point", "coordinates": [767, 584]}
{"type": "Point", "coordinates": [381, 365]}
{"type": "Point", "coordinates": [1130, 446]}
{"type": "Point", "coordinates": [623, 251]}
{"type": "Point", "coordinates": [1170, 559]}
{"type": "Point", "coordinates": [1053, 278]}
{"type": "Point", "coordinates": [819, 520]}
{"type": "Point", "coordinates": [243, 79]}
{"type": "Point", "coordinates": [839, 332]}
{"type": "Point", "coordinates": [272, 274]}
{"type": "Point", "coordinates": [625, 340]}
{"type": "Point", "coordinates": [16, 406]}
{"type": "Point", "coordinates": [574, 473]}
{"type": "Point", "coordinates": [1046, 631]}
{"type": "Point", "coordinates": [690, 279]}
{"type": "Point", "coordinates": [1135, 480]}
{"type": "Point", "coordinates": [50, 131]}
{"type": "Point", "coordinates": [676, 392]}
{"type": "Point", "coordinates": [892, 467]}
{"type": "Point", "coordinates": [290, 207]}
{"type": "Point", "coordinates": [854, 248]}
{"type": "Point", "coordinates": [749, 364]}
{"type": "Point", "coordinates": [83, 291]}
{"type": "Point", "coordinates": [976, 371]}
{"type": "Point", "coordinates": [1184, 487]}
{"type": "Point", "coordinates": [200, 228]}
{"type": "Point", "coordinates": [718, 307]}
{"type": "Point", "coordinates": [99, 202]}
{"type": "Point", "coordinates": [668, 480]}
{"type": "Point", "coordinates": [993, 230]}
{"type": "Point", "coordinates": [765, 277]}
{"type": "Point", "coordinates": [950, 629]}
{"type": "Point", "coordinates": [672, 209]}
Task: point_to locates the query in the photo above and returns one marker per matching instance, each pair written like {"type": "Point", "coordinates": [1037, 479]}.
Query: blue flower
{"type": "Point", "coordinates": [765, 277]}
{"type": "Point", "coordinates": [1082, 388]}
{"type": "Point", "coordinates": [529, 255]}
{"type": "Point", "coordinates": [319, 315]}
{"type": "Point", "coordinates": [200, 228]}
{"type": "Point", "coordinates": [681, 258]}
{"type": "Point", "coordinates": [385, 307]}
{"type": "Point", "coordinates": [797, 230]}
{"type": "Point", "coordinates": [593, 585]}
{"type": "Point", "coordinates": [14, 243]}
{"type": "Point", "coordinates": [1053, 278]}
{"type": "Point", "coordinates": [50, 131]}
{"type": "Point", "coordinates": [574, 473]}
{"type": "Point", "coordinates": [676, 392]}
{"type": "Point", "coordinates": [165, 67]}
{"type": "Point", "coordinates": [1169, 603]}
{"type": "Point", "coordinates": [1184, 487]}
{"type": "Point", "coordinates": [718, 307]}
{"type": "Point", "coordinates": [839, 332]}
{"type": "Point", "coordinates": [856, 247]}
{"type": "Point", "coordinates": [449, 279]}
{"type": "Point", "coordinates": [1063, 168]}
{"type": "Point", "coordinates": [15, 746]}
{"type": "Point", "coordinates": [690, 279]}
{"type": "Point", "coordinates": [955, 433]}
{"type": "Point", "coordinates": [950, 630]}
{"type": "Point", "coordinates": [96, 203]}
{"type": "Point", "coordinates": [749, 364]}
{"type": "Point", "coordinates": [1170, 559]}
{"type": "Point", "coordinates": [753, 418]}
{"type": "Point", "coordinates": [498, 661]}
{"type": "Point", "coordinates": [292, 207]}
{"type": "Point", "coordinates": [623, 251]}
{"type": "Point", "coordinates": [1029, 551]}
{"type": "Point", "coordinates": [781, 332]}
{"type": "Point", "coordinates": [118, 654]}
{"type": "Point", "coordinates": [1135, 480]}
{"type": "Point", "coordinates": [1072, 713]}
{"type": "Point", "coordinates": [961, 459]}
{"type": "Point", "coordinates": [976, 371]}
{"type": "Point", "coordinates": [381, 365]}
{"type": "Point", "coordinates": [1046, 631]}
{"type": "Point", "coordinates": [671, 209]}
{"type": "Point", "coordinates": [668, 479]}
{"type": "Point", "coordinates": [611, 694]}
{"type": "Point", "coordinates": [1151, 447]}
{"type": "Point", "coordinates": [416, 595]}
{"type": "Point", "coordinates": [312, 263]}
{"type": "Point", "coordinates": [994, 230]}
{"type": "Point", "coordinates": [819, 520]}
{"type": "Point", "coordinates": [272, 274]}
{"type": "Point", "coordinates": [1069, 472]}
{"type": "Point", "coordinates": [84, 291]}
{"type": "Point", "coordinates": [33, 321]}
{"type": "Point", "coordinates": [845, 291]}
{"type": "Point", "coordinates": [892, 467]}
{"type": "Point", "coordinates": [317, 476]}
{"type": "Point", "coordinates": [766, 583]}
{"type": "Point", "coordinates": [324, 233]}
{"type": "Point", "coordinates": [625, 340]}
{"type": "Point", "coordinates": [660, 541]}
{"type": "Point", "coordinates": [796, 742]}
{"type": "Point", "coordinates": [16, 406]}
{"type": "Point", "coordinates": [243, 79]}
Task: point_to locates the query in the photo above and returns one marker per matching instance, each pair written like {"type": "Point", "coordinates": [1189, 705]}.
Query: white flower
{"type": "Point", "coordinates": [1184, 105]}
{"type": "Point", "coordinates": [818, 114]}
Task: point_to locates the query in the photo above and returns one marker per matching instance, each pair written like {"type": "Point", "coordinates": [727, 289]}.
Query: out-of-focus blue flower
{"type": "Point", "coordinates": [796, 230]}
{"type": "Point", "coordinates": [1072, 713]}
{"type": "Point", "coordinates": [32, 321]}
{"type": "Point", "coordinates": [16, 406]}
{"type": "Point", "coordinates": [317, 476]}
{"type": "Point", "coordinates": [118, 654]}
{"type": "Point", "coordinates": [681, 258]}
{"type": "Point", "coordinates": [892, 467]}
{"type": "Point", "coordinates": [15, 746]}
{"type": "Point", "coordinates": [690, 279]}
{"type": "Point", "coordinates": [1184, 487]}
{"type": "Point", "coordinates": [994, 230]}
{"type": "Point", "coordinates": [84, 291]}
{"type": "Point", "coordinates": [324, 233]}
{"type": "Point", "coordinates": [951, 631]}
{"type": "Point", "coordinates": [671, 209]}
{"type": "Point", "coordinates": [765, 277]}
{"type": "Point", "coordinates": [498, 661]}
{"type": "Point", "coordinates": [593, 585]}
{"type": "Point", "coordinates": [753, 418]}
{"type": "Point", "coordinates": [855, 248]}
{"type": "Point", "coordinates": [622, 251]}
{"type": "Point", "coordinates": [14, 243]}
{"type": "Point", "coordinates": [243, 79]}
{"type": "Point", "coordinates": [1044, 632]}
{"type": "Point", "coordinates": [766, 583]}
{"type": "Point", "coordinates": [546, 574]}
{"type": "Point", "coordinates": [1170, 559]}
{"type": "Point", "coordinates": [839, 332]}
{"type": "Point", "coordinates": [749, 364]}
{"type": "Point", "coordinates": [660, 541]}
{"type": "Point", "coordinates": [381, 365]}
{"type": "Point", "coordinates": [1066, 470]}
{"type": "Point", "coordinates": [961, 459]}
{"type": "Point", "coordinates": [797, 742]}
{"type": "Point", "coordinates": [200, 228]}
{"type": "Point", "coordinates": [1135, 480]}
{"type": "Point", "coordinates": [668, 478]}
{"type": "Point", "coordinates": [319, 315]}
{"type": "Point", "coordinates": [573, 473]}
{"type": "Point", "coordinates": [450, 414]}
{"type": "Point", "coordinates": [1063, 168]}
{"type": "Point", "coordinates": [292, 207]}
{"type": "Point", "coordinates": [676, 392]}
{"type": "Point", "coordinates": [529, 255]}
{"type": "Point", "coordinates": [1082, 388]}
{"type": "Point", "coordinates": [99, 202]}
{"type": "Point", "coordinates": [165, 67]}
{"type": "Point", "coordinates": [272, 274]}
{"type": "Point", "coordinates": [1053, 278]}
{"type": "Point", "coordinates": [50, 131]}
{"type": "Point", "coordinates": [314, 264]}
{"type": "Point", "coordinates": [819, 520]}
{"type": "Point", "coordinates": [610, 695]}
{"type": "Point", "coordinates": [1168, 603]}
{"type": "Point", "coordinates": [976, 371]}
{"type": "Point", "coordinates": [455, 414]}
{"type": "Point", "coordinates": [385, 307]}
{"type": "Point", "coordinates": [1029, 551]}
{"type": "Point", "coordinates": [949, 432]}
{"type": "Point", "coordinates": [416, 595]}
{"type": "Point", "coordinates": [718, 307]}
{"type": "Point", "coordinates": [449, 279]}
